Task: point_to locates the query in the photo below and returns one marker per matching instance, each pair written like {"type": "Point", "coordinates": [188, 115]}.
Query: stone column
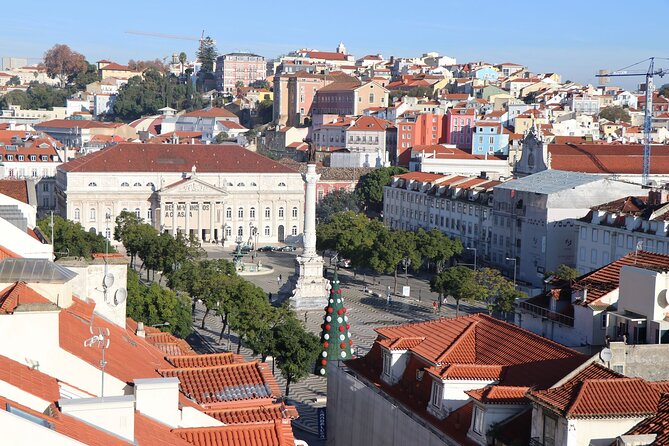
{"type": "Point", "coordinates": [174, 218]}
{"type": "Point", "coordinates": [199, 221]}
{"type": "Point", "coordinates": [309, 234]}
{"type": "Point", "coordinates": [187, 216]}
{"type": "Point", "coordinates": [211, 220]}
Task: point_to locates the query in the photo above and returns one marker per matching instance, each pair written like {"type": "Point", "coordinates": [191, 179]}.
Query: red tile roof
{"type": "Point", "coordinates": [657, 424]}
{"type": "Point", "coordinates": [232, 125]}
{"type": "Point", "coordinates": [214, 359]}
{"type": "Point", "coordinates": [29, 380]}
{"type": "Point", "coordinates": [450, 152]}
{"type": "Point", "coordinates": [212, 112]}
{"type": "Point", "coordinates": [276, 433]}
{"type": "Point", "coordinates": [371, 124]}
{"type": "Point", "coordinates": [500, 395]}
{"type": "Point", "coordinates": [327, 55]}
{"type": "Point", "coordinates": [422, 177]}
{"type": "Point", "coordinates": [213, 385]}
{"type": "Point", "coordinates": [253, 414]}
{"type": "Point", "coordinates": [16, 189]}
{"type": "Point", "coordinates": [607, 278]}
{"type": "Point", "coordinates": [597, 391]}
{"type": "Point", "coordinates": [76, 123]}
{"type": "Point", "coordinates": [7, 254]}
{"type": "Point", "coordinates": [116, 67]}
{"type": "Point", "coordinates": [18, 294]}
{"type": "Point", "coordinates": [607, 158]}
{"type": "Point", "coordinates": [131, 157]}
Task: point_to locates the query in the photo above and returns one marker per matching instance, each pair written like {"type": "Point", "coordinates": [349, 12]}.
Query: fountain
{"type": "Point", "coordinates": [248, 268]}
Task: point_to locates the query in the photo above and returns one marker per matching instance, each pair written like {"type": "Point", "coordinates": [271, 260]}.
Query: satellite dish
{"type": "Point", "coordinates": [606, 355]}
{"type": "Point", "coordinates": [108, 280]}
{"type": "Point", "coordinates": [662, 299]}
{"type": "Point", "coordinates": [120, 296]}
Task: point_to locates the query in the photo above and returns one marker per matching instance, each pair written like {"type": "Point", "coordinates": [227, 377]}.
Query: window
{"type": "Point", "coordinates": [92, 184]}
{"type": "Point", "coordinates": [149, 214]}
{"type": "Point", "coordinates": [581, 254]}
{"type": "Point", "coordinates": [33, 157]}
{"type": "Point", "coordinates": [137, 185]}
{"type": "Point", "coordinates": [240, 213]}
{"type": "Point", "coordinates": [108, 215]}
{"type": "Point", "coordinates": [584, 233]}
{"type": "Point", "coordinates": [91, 214]}
{"type": "Point", "coordinates": [108, 233]}
{"type": "Point", "coordinates": [280, 212]}
{"type": "Point", "coordinates": [267, 231]}
{"type": "Point", "coordinates": [550, 426]}
{"type": "Point", "coordinates": [282, 184]}
{"type": "Point", "coordinates": [435, 398]}
{"type": "Point", "coordinates": [594, 234]}
{"type": "Point", "coordinates": [605, 319]}
{"type": "Point", "coordinates": [294, 212]}
{"type": "Point", "coordinates": [252, 213]}
{"type": "Point", "coordinates": [593, 256]}
{"type": "Point", "coordinates": [77, 214]}
{"type": "Point", "coordinates": [228, 231]}
{"type": "Point", "coordinates": [228, 213]}
{"type": "Point", "coordinates": [268, 213]}
{"type": "Point", "coordinates": [138, 213]}
{"type": "Point", "coordinates": [125, 184]}
{"type": "Point", "coordinates": [606, 236]}
{"type": "Point", "coordinates": [386, 363]}
{"type": "Point", "coordinates": [20, 157]}
{"type": "Point", "coordinates": [477, 426]}
{"type": "Point", "coordinates": [293, 230]}
{"type": "Point", "coordinates": [240, 185]}
{"type": "Point", "coordinates": [151, 185]}
{"type": "Point", "coordinates": [253, 184]}
{"type": "Point", "coordinates": [240, 231]}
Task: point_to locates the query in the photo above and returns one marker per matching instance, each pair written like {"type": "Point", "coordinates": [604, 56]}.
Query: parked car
{"type": "Point", "coordinates": [246, 249]}
{"type": "Point", "coordinates": [287, 248]}
{"type": "Point", "coordinates": [266, 248]}
{"type": "Point", "coordinates": [344, 263]}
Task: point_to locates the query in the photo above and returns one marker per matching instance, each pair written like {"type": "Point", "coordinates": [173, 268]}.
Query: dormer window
{"type": "Point", "coordinates": [387, 363]}
{"type": "Point", "coordinates": [33, 157]}
{"type": "Point", "coordinates": [21, 157]}
{"type": "Point", "coordinates": [478, 422]}
{"type": "Point", "coordinates": [437, 394]}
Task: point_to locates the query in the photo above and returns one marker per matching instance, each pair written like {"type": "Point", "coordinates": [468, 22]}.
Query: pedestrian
{"type": "Point", "coordinates": [252, 256]}
{"type": "Point", "coordinates": [434, 306]}
{"type": "Point", "coordinates": [278, 280]}
{"type": "Point", "coordinates": [270, 297]}
{"type": "Point", "coordinates": [305, 317]}
{"type": "Point", "coordinates": [280, 277]}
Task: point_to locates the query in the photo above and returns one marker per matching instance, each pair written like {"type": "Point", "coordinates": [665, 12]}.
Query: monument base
{"type": "Point", "coordinates": [310, 291]}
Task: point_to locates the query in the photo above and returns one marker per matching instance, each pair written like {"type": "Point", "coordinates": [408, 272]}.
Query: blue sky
{"type": "Point", "coordinates": [573, 38]}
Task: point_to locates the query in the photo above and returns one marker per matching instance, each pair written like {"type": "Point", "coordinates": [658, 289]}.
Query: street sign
{"type": "Point", "coordinates": [322, 423]}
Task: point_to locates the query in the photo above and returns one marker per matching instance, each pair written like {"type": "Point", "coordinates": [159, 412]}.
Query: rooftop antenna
{"type": "Point", "coordinates": [100, 340]}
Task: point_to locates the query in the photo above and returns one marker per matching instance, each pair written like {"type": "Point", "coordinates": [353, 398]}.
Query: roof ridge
{"type": "Point", "coordinates": [470, 328]}
{"type": "Point", "coordinates": [211, 367]}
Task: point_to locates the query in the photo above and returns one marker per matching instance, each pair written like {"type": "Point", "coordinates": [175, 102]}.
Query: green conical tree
{"type": "Point", "coordinates": [335, 337]}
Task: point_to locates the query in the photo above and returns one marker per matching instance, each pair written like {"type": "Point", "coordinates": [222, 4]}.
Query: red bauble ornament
{"type": "Point", "coordinates": [331, 291]}
{"type": "Point", "coordinates": [350, 342]}
{"type": "Point", "coordinates": [344, 309]}
{"type": "Point", "coordinates": [338, 291]}
{"type": "Point", "coordinates": [326, 344]}
{"type": "Point", "coordinates": [348, 326]}
{"type": "Point", "coordinates": [324, 361]}
{"type": "Point", "coordinates": [330, 310]}
{"type": "Point", "coordinates": [340, 312]}
{"type": "Point", "coordinates": [342, 346]}
{"type": "Point", "coordinates": [341, 328]}
{"type": "Point", "coordinates": [327, 327]}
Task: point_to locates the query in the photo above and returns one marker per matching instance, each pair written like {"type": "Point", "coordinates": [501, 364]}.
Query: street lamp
{"type": "Point", "coordinates": [473, 249]}
{"type": "Point", "coordinates": [515, 261]}
{"type": "Point", "coordinates": [406, 262]}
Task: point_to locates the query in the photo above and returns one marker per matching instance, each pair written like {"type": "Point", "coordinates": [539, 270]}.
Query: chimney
{"type": "Point", "coordinates": [657, 196]}
{"type": "Point", "coordinates": [158, 398]}
{"type": "Point", "coordinates": [115, 414]}
{"type": "Point", "coordinates": [140, 330]}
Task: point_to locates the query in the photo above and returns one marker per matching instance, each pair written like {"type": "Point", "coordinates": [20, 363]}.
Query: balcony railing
{"type": "Point", "coordinates": [546, 313]}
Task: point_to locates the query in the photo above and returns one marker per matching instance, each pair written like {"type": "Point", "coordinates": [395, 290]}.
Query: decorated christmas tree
{"type": "Point", "coordinates": [335, 337]}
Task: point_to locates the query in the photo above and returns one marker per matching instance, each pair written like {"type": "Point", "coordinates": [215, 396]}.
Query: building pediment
{"type": "Point", "coordinates": [190, 186]}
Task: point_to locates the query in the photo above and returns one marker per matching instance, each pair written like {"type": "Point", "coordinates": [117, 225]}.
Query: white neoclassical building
{"type": "Point", "coordinates": [213, 192]}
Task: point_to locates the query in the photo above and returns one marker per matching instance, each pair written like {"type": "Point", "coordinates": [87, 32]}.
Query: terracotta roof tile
{"type": "Point", "coordinates": [7, 254]}
{"type": "Point", "coordinates": [266, 434]}
{"type": "Point", "coordinates": [18, 294]}
{"type": "Point", "coordinates": [213, 385]}
{"type": "Point", "coordinates": [422, 177]}
{"type": "Point", "coordinates": [169, 344]}
{"type": "Point", "coordinates": [16, 189]}
{"type": "Point", "coordinates": [29, 380]}
{"type": "Point", "coordinates": [256, 413]}
{"type": "Point", "coordinates": [76, 123]}
{"type": "Point", "coordinates": [370, 124]}
{"type": "Point", "coordinates": [212, 112]}
{"type": "Point", "coordinates": [500, 394]}
{"type": "Point", "coordinates": [131, 157]}
{"type": "Point", "coordinates": [657, 424]}
{"type": "Point", "coordinates": [214, 359]}
{"type": "Point", "coordinates": [607, 158]}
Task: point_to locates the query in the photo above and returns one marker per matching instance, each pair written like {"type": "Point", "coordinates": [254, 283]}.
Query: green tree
{"type": "Point", "coordinates": [263, 341]}
{"type": "Point", "coordinates": [15, 97]}
{"type": "Point", "coordinates": [351, 235]}
{"type": "Point", "coordinates": [222, 137]}
{"type": "Point", "coordinates": [265, 110]}
{"type": "Point", "coordinates": [497, 290]}
{"type": "Point", "coordinates": [296, 349]}
{"type": "Point", "coordinates": [63, 64]}
{"type": "Point", "coordinates": [664, 90]}
{"type": "Point", "coordinates": [250, 312]}
{"type": "Point", "coordinates": [564, 272]}
{"type": "Point", "coordinates": [458, 282]}
{"type": "Point", "coordinates": [370, 187]}
{"type": "Point", "coordinates": [72, 239]}
{"type": "Point", "coordinates": [155, 305]}
{"type": "Point", "coordinates": [615, 113]}
{"type": "Point", "coordinates": [126, 232]}
{"type": "Point", "coordinates": [14, 81]}
{"type": "Point", "coordinates": [437, 247]}
{"type": "Point", "coordinates": [46, 96]}
{"type": "Point", "coordinates": [87, 76]}
{"type": "Point", "coordinates": [387, 252]}
{"type": "Point", "coordinates": [183, 58]}
{"type": "Point", "coordinates": [339, 200]}
{"type": "Point", "coordinates": [207, 54]}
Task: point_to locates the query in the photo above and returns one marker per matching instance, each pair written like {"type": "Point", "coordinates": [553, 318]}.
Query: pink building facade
{"type": "Point", "coordinates": [460, 124]}
{"type": "Point", "coordinates": [246, 68]}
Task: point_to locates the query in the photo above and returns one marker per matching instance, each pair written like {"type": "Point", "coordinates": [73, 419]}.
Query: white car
{"type": "Point", "coordinates": [344, 263]}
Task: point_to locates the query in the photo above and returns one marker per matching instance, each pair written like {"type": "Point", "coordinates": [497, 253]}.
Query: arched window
{"type": "Point", "coordinates": [241, 184]}
{"type": "Point", "coordinates": [77, 214]}
{"type": "Point", "coordinates": [151, 185]}
{"type": "Point", "coordinates": [91, 214]}
{"type": "Point", "coordinates": [230, 184]}
{"type": "Point", "coordinates": [228, 231]}
{"type": "Point", "coordinates": [293, 230]}
{"type": "Point", "coordinates": [228, 213]}
{"type": "Point", "coordinates": [240, 231]}
{"type": "Point", "coordinates": [295, 212]}
{"type": "Point", "coordinates": [125, 184]}
{"type": "Point", "coordinates": [280, 212]}
{"type": "Point", "coordinates": [268, 212]}
{"type": "Point", "coordinates": [92, 184]}
{"type": "Point", "coordinates": [138, 213]}
{"type": "Point", "coordinates": [282, 184]}
{"type": "Point", "coordinates": [149, 214]}
{"type": "Point", "coordinates": [108, 214]}
{"type": "Point", "coordinates": [107, 233]}
{"type": "Point", "coordinates": [125, 209]}
{"type": "Point", "coordinates": [267, 231]}
{"type": "Point", "coordinates": [240, 213]}
{"type": "Point", "coordinates": [252, 213]}
{"type": "Point", "coordinates": [253, 184]}
{"type": "Point", "coordinates": [137, 185]}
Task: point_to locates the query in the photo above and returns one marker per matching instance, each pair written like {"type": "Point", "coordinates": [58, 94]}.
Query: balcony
{"type": "Point", "coordinates": [545, 313]}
